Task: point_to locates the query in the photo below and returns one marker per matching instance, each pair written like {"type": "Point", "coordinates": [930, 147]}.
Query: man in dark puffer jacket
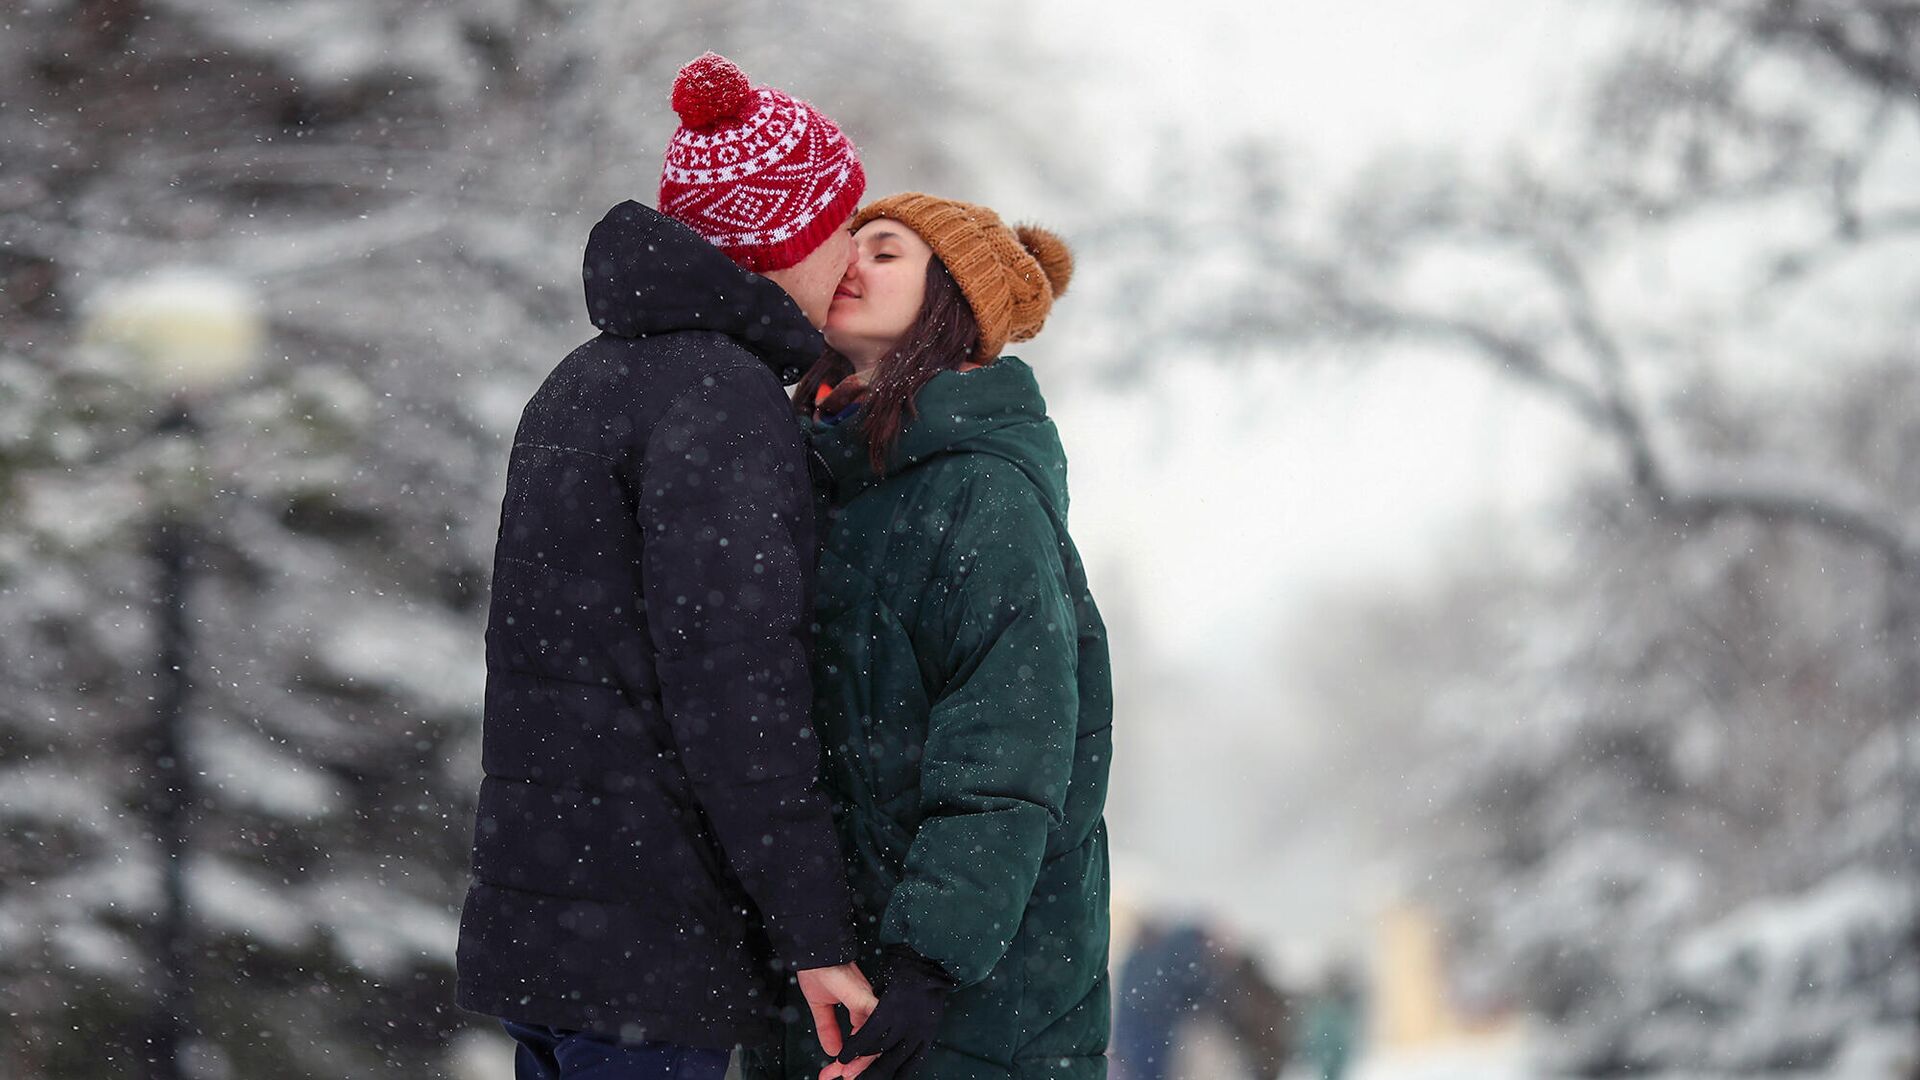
{"type": "Point", "coordinates": [652, 857]}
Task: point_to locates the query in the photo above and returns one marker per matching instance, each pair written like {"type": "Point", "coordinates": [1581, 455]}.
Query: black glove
{"type": "Point", "coordinates": [903, 1023]}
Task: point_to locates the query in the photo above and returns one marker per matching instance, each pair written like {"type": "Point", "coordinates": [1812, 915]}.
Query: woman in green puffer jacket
{"type": "Point", "coordinates": [962, 686]}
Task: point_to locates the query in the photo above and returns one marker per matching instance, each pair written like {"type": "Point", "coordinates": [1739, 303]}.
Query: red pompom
{"type": "Point", "coordinates": [709, 90]}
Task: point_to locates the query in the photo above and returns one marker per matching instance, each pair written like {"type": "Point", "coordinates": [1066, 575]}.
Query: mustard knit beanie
{"type": "Point", "coordinates": [1010, 276]}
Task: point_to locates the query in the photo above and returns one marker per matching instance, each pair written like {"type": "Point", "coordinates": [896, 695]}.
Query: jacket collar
{"type": "Point", "coordinates": [994, 410]}
{"type": "Point", "coordinates": [646, 273]}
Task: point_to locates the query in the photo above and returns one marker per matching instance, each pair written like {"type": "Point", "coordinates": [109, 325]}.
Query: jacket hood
{"type": "Point", "coordinates": [649, 274]}
{"type": "Point", "coordinates": [993, 410]}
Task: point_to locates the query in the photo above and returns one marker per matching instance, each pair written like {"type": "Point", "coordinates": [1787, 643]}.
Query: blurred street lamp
{"type": "Point", "coordinates": [191, 332]}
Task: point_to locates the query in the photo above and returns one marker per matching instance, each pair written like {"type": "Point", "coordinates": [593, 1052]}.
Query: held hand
{"type": "Point", "coordinates": [892, 1044]}
{"type": "Point", "coordinates": [842, 984]}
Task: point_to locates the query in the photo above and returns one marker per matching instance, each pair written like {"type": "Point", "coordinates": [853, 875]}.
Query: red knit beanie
{"type": "Point", "coordinates": [762, 175]}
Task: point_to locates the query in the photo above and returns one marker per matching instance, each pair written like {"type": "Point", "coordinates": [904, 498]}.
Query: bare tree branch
{"type": "Point", "coordinates": [1772, 493]}
{"type": "Point", "coordinates": [1791, 497]}
{"type": "Point", "coordinates": [1822, 30]}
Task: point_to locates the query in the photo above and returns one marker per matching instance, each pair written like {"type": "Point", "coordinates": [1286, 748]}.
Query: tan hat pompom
{"type": "Point", "coordinates": [1051, 252]}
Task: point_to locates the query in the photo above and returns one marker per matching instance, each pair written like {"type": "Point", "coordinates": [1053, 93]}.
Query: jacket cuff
{"type": "Point", "coordinates": [813, 939]}
{"type": "Point", "coordinates": [904, 967]}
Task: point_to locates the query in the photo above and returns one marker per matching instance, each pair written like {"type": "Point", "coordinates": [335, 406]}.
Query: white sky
{"type": "Point", "coordinates": [1339, 78]}
{"type": "Point", "coordinates": [1221, 505]}
{"type": "Point", "coordinates": [1337, 474]}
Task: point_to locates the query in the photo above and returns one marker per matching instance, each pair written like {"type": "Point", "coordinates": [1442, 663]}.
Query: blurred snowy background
{"type": "Point", "coordinates": [1496, 443]}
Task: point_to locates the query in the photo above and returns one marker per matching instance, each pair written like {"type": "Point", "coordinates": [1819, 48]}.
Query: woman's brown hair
{"type": "Point", "coordinates": [942, 337]}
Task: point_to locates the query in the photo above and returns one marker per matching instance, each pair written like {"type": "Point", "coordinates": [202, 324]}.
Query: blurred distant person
{"type": "Point", "coordinates": [962, 686]}
{"type": "Point", "coordinates": [652, 857]}
{"type": "Point", "coordinates": [1257, 1012]}
{"type": "Point", "coordinates": [1179, 976]}
{"type": "Point", "coordinates": [1166, 981]}
{"type": "Point", "coordinates": [1331, 1029]}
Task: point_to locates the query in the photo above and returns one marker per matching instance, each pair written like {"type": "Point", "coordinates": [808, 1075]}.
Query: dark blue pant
{"type": "Point", "coordinates": [552, 1054]}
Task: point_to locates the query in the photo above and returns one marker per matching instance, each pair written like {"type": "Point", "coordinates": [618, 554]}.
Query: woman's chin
{"type": "Point", "coordinates": [836, 329]}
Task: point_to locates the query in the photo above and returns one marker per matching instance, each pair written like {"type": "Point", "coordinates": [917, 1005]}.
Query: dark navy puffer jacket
{"type": "Point", "coordinates": [651, 853]}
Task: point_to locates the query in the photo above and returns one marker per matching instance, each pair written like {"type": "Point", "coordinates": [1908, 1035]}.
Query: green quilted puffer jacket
{"type": "Point", "coordinates": [964, 698]}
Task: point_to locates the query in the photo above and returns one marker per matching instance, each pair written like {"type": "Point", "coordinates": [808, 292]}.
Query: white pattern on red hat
{"type": "Point", "coordinates": [762, 175]}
